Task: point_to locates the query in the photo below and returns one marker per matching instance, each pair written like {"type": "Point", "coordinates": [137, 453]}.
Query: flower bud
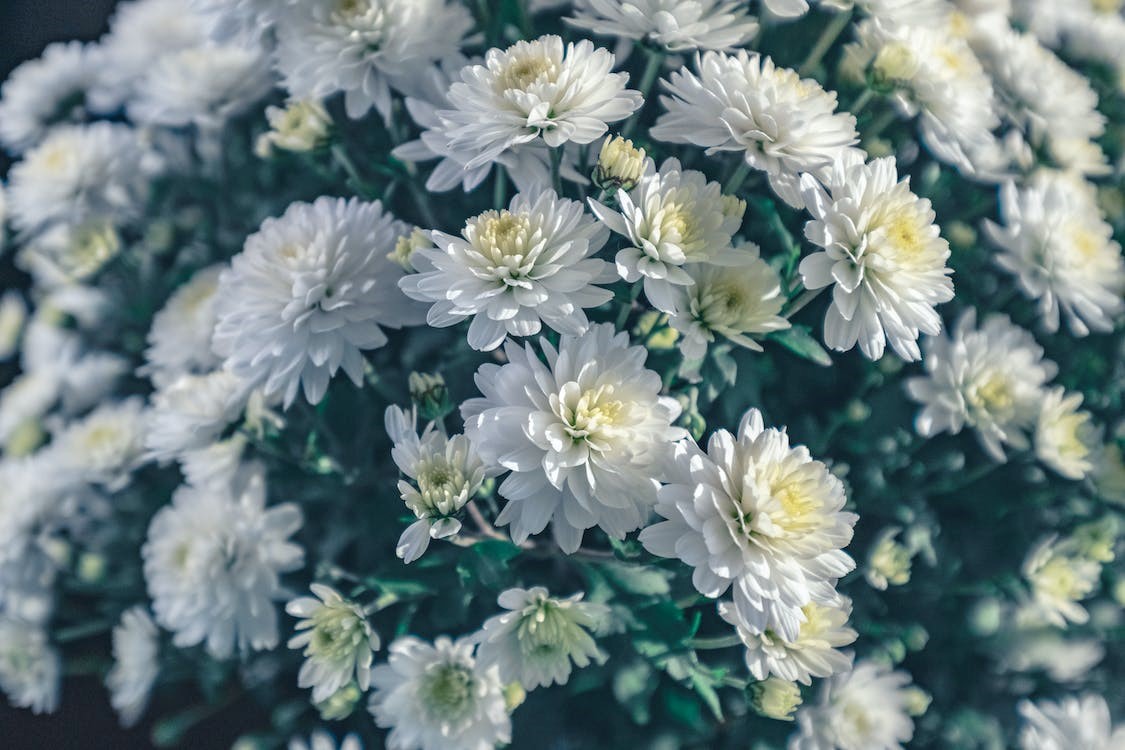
{"type": "Point", "coordinates": [406, 245]}
{"type": "Point", "coordinates": [620, 165]}
{"type": "Point", "coordinates": [775, 698]}
{"type": "Point", "coordinates": [300, 126]}
{"type": "Point", "coordinates": [428, 391]}
{"type": "Point", "coordinates": [340, 704]}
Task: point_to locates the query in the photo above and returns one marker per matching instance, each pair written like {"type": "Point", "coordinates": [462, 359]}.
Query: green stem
{"type": "Point", "coordinates": [500, 189]}
{"type": "Point", "coordinates": [82, 630]}
{"type": "Point", "coordinates": [879, 124]}
{"type": "Point", "coordinates": [738, 178]}
{"type": "Point", "coordinates": [861, 101]}
{"type": "Point", "coordinates": [652, 70]}
{"type": "Point", "coordinates": [722, 641]}
{"type": "Point", "coordinates": [340, 154]}
{"type": "Point", "coordinates": [806, 297]}
{"type": "Point", "coordinates": [825, 42]}
{"type": "Point", "coordinates": [556, 169]}
{"type": "Point", "coordinates": [633, 294]}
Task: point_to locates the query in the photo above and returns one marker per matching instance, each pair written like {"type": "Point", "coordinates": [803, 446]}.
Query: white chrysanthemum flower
{"type": "Point", "coordinates": [512, 271]}
{"type": "Point", "coordinates": [105, 446]}
{"type": "Point", "coordinates": [534, 90]}
{"type": "Point", "coordinates": [366, 48]}
{"type": "Point", "coordinates": [307, 294]}
{"type": "Point", "coordinates": [888, 561]}
{"type": "Point", "coordinates": [584, 435]}
{"type": "Point", "coordinates": [673, 217]}
{"type": "Point", "coordinates": [24, 403]}
{"type": "Point", "coordinates": [79, 173]}
{"type": "Point", "coordinates": [675, 25]}
{"type": "Point", "coordinates": [444, 474]}
{"type": "Point", "coordinates": [240, 19]}
{"type": "Point", "coordinates": [733, 302]}
{"type": "Point", "coordinates": [46, 92]}
{"type": "Point", "coordinates": [322, 740]}
{"type": "Point", "coordinates": [910, 12]}
{"type": "Point", "coordinates": [1062, 251]}
{"type": "Point", "coordinates": [141, 32]}
{"type": "Point", "coordinates": [1064, 659]}
{"type": "Point", "coordinates": [438, 698]}
{"type": "Point", "coordinates": [989, 378]}
{"type": "Point", "coordinates": [338, 642]}
{"type": "Point", "coordinates": [13, 316]}
{"type": "Point", "coordinates": [29, 666]}
{"type": "Point", "coordinates": [867, 708]}
{"type": "Point", "coordinates": [136, 664]}
{"type": "Point", "coordinates": [213, 559]}
{"type": "Point", "coordinates": [191, 412]}
{"type": "Point", "coordinates": [759, 515]}
{"type": "Point", "coordinates": [300, 126]}
{"type": "Point", "coordinates": [69, 253]}
{"type": "Point", "coordinates": [201, 86]}
{"type": "Point", "coordinates": [1069, 724]}
{"type": "Point", "coordinates": [812, 654]}
{"type": "Point", "coordinates": [785, 125]}
{"type": "Point", "coordinates": [1066, 439]}
{"type": "Point", "coordinates": [882, 255]}
{"type": "Point", "coordinates": [536, 642]}
{"type": "Point", "coordinates": [936, 76]}
{"type": "Point", "coordinates": [179, 340]}
{"type": "Point", "coordinates": [1059, 580]}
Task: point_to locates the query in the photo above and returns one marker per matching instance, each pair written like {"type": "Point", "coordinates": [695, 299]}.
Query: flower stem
{"type": "Point", "coordinates": [825, 42]}
{"type": "Point", "coordinates": [879, 124]}
{"type": "Point", "coordinates": [861, 101]}
{"type": "Point", "coordinates": [624, 314]}
{"type": "Point", "coordinates": [722, 641]}
{"type": "Point", "coordinates": [556, 169]}
{"type": "Point", "coordinates": [500, 189]}
{"type": "Point", "coordinates": [482, 523]}
{"type": "Point", "coordinates": [799, 304]}
{"type": "Point", "coordinates": [738, 178]}
{"type": "Point", "coordinates": [648, 77]}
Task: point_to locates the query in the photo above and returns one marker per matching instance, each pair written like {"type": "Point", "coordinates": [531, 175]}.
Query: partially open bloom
{"type": "Point", "coordinates": [1073, 722]}
{"type": "Point", "coordinates": [302, 125]}
{"type": "Point", "coordinates": [438, 698]}
{"type": "Point", "coordinates": [583, 434]}
{"type": "Point", "coordinates": [888, 562]}
{"type": "Point", "coordinates": [1066, 439]}
{"type": "Point", "coordinates": [620, 165]}
{"type": "Point", "coordinates": [136, 651]}
{"type": "Point", "coordinates": [758, 515]}
{"type": "Point", "coordinates": [535, 642]}
{"type": "Point", "coordinates": [883, 257]}
{"type": "Point", "coordinates": [775, 698]}
{"type": "Point", "coordinates": [1060, 577]}
{"type": "Point", "coordinates": [338, 642]}
{"type": "Point", "coordinates": [513, 270]}
{"type": "Point", "coordinates": [676, 25]}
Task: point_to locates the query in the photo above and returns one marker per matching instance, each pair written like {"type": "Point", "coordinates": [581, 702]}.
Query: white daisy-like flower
{"type": "Point", "coordinates": [758, 515]}
{"type": "Point", "coordinates": [202, 86]}
{"type": "Point", "coordinates": [1054, 239]}
{"type": "Point", "coordinates": [46, 92]}
{"type": "Point", "coordinates": [309, 292]}
{"type": "Point", "coordinates": [584, 435]}
{"type": "Point", "coordinates": [1059, 580]}
{"type": "Point", "coordinates": [814, 653]}
{"type": "Point", "coordinates": [366, 48]}
{"type": "Point", "coordinates": [213, 560]}
{"type": "Point", "coordinates": [444, 474]}
{"type": "Point", "coordinates": [191, 412]}
{"type": "Point", "coordinates": [675, 25]}
{"type": "Point", "coordinates": [989, 378]}
{"type": "Point", "coordinates": [536, 642]}
{"type": "Point", "coordinates": [438, 698]}
{"type": "Point", "coordinates": [1066, 439]}
{"type": "Point", "coordinates": [512, 271]}
{"type": "Point", "coordinates": [883, 256]}
{"type": "Point", "coordinates": [784, 124]}
{"type": "Point", "coordinates": [534, 90]}
{"type": "Point", "coordinates": [867, 708]}
{"type": "Point", "coordinates": [179, 340]}
{"type": "Point", "coordinates": [29, 666]}
{"type": "Point", "coordinates": [105, 446]}
{"type": "Point", "coordinates": [79, 173]}
{"type": "Point", "coordinates": [338, 642]}
{"type": "Point", "coordinates": [734, 302]}
{"type": "Point", "coordinates": [136, 664]}
{"type": "Point", "coordinates": [673, 217]}
{"type": "Point", "coordinates": [1071, 723]}
{"type": "Point", "coordinates": [934, 75]}
{"type": "Point", "coordinates": [322, 740]}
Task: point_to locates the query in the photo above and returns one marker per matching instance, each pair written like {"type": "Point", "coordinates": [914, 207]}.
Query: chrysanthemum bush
{"type": "Point", "coordinates": [655, 374]}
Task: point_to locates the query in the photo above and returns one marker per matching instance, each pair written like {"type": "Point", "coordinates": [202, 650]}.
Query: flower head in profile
{"type": "Point", "coordinates": [538, 639]}
{"type": "Point", "coordinates": [882, 255]}
{"type": "Point", "coordinates": [179, 340]}
{"type": "Point", "coordinates": [1073, 722]}
{"type": "Point", "coordinates": [30, 668]}
{"type": "Point", "coordinates": [757, 515]}
{"type": "Point", "coordinates": [1066, 439]}
{"type": "Point", "coordinates": [583, 434]}
{"type": "Point", "coordinates": [513, 270]}
{"type": "Point", "coordinates": [46, 92]}
{"type": "Point", "coordinates": [436, 697]}
{"type": "Point", "coordinates": [889, 560]}
{"type": "Point", "coordinates": [338, 642]}
{"type": "Point", "coordinates": [675, 25]}
{"type": "Point", "coordinates": [1060, 577]}
{"type": "Point", "coordinates": [136, 664]}
{"type": "Point", "coordinates": [309, 292]}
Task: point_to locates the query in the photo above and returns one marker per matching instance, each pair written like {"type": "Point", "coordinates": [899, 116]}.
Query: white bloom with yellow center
{"type": "Point", "coordinates": [538, 89]}
{"type": "Point", "coordinates": [338, 642]}
{"type": "Point", "coordinates": [179, 340]}
{"type": "Point", "coordinates": [1073, 722]}
{"type": "Point", "coordinates": [814, 652]}
{"type": "Point", "coordinates": [1060, 578]}
{"type": "Point", "coordinates": [1055, 241]}
{"type": "Point", "coordinates": [758, 515]}
{"type": "Point", "coordinates": [444, 474]}
{"type": "Point", "coordinates": [106, 445]}
{"type": "Point", "coordinates": [584, 435]}
{"type": "Point", "coordinates": [301, 125]}
{"type": "Point", "coordinates": [438, 698]}
{"type": "Point", "coordinates": [889, 561]}
{"type": "Point", "coordinates": [364, 49]}
{"type": "Point", "coordinates": [675, 25]}
{"type": "Point", "coordinates": [136, 664]}
{"type": "Point", "coordinates": [30, 667]}
{"type": "Point", "coordinates": [535, 642]}
{"type": "Point", "coordinates": [70, 253]}
{"type": "Point", "coordinates": [883, 257]}
{"type": "Point", "coordinates": [1066, 439]}
{"type": "Point", "coordinates": [989, 378]}
{"type": "Point", "coordinates": [673, 217]}
{"type": "Point", "coordinates": [512, 271]}
{"type": "Point", "coordinates": [46, 92]}
{"type": "Point", "coordinates": [784, 124]}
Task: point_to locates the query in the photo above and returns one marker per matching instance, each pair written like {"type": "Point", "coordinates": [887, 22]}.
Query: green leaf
{"type": "Point", "coordinates": [706, 690]}
{"type": "Point", "coordinates": [799, 341]}
{"type": "Point", "coordinates": [633, 686]}
{"type": "Point", "coordinates": [637, 579]}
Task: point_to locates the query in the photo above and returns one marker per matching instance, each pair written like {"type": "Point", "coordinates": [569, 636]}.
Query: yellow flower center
{"type": "Point", "coordinates": [524, 70]}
